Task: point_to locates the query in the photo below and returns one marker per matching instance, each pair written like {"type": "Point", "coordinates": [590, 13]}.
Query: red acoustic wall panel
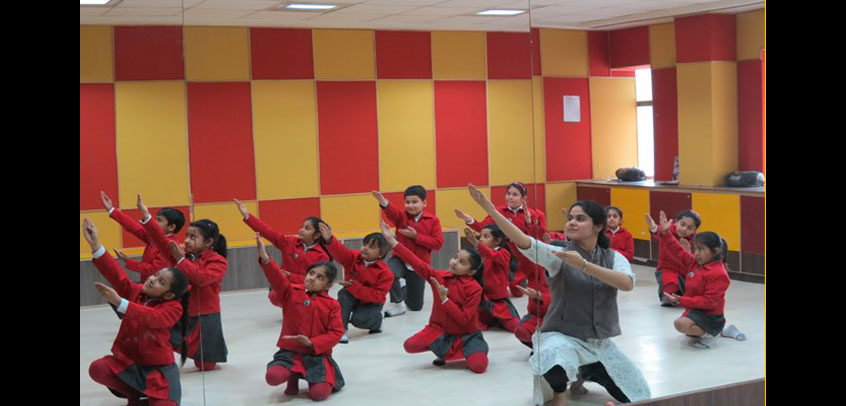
{"type": "Point", "coordinates": [670, 202]}
{"type": "Point", "coordinates": [287, 216]}
{"type": "Point", "coordinates": [403, 55]}
{"type": "Point", "coordinates": [568, 144]}
{"type": "Point", "coordinates": [629, 47]}
{"type": "Point", "coordinates": [535, 199]}
{"type": "Point", "coordinates": [348, 137]}
{"type": "Point", "coordinates": [706, 37]}
{"type": "Point", "coordinates": [281, 53]}
{"type": "Point", "coordinates": [600, 64]}
{"type": "Point", "coordinates": [148, 53]}
{"type": "Point", "coordinates": [398, 200]}
{"type": "Point", "coordinates": [129, 240]}
{"type": "Point", "coordinates": [665, 121]}
{"type": "Point", "coordinates": [461, 133]}
{"type": "Point", "coordinates": [750, 116]}
{"type": "Point", "coordinates": [220, 139]}
{"type": "Point", "coordinates": [601, 195]}
{"type": "Point", "coordinates": [752, 225]}
{"type": "Point", "coordinates": [509, 55]}
{"type": "Point", "coordinates": [97, 151]}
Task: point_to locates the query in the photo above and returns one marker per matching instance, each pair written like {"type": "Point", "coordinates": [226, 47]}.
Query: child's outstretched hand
{"type": "Point", "coordinates": [674, 298]}
{"type": "Point", "coordinates": [685, 244]}
{"type": "Point", "coordinates": [109, 294]}
{"type": "Point", "coordinates": [388, 233]}
{"type": "Point", "coordinates": [472, 238]}
{"type": "Point", "coordinates": [176, 249]}
{"type": "Point", "coordinates": [409, 232]}
{"type": "Point", "coordinates": [90, 233]}
{"type": "Point", "coordinates": [650, 223]}
{"type": "Point", "coordinates": [123, 257]}
{"type": "Point", "coordinates": [262, 249]}
{"type": "Point", "coordinates": [325, 231]}
{"type": "Point", "coordinates": [107, 203]}
{"type": "Point", "coordinates": [442, 291]}
{"type": "Point", "coordinates": [142, 207]}
{"type": "Point", "coordinates": [531, 293]}
{"type": "Point", "coordinates": [300, 339]}
{"type": "Point", "coordinates": [242, 208]}
{"type": "Point", "coordinates": [464, 216]}
{"type": "Point", "coordinates": [665, 224]}
{"type": "Point", "coordinates": [380, 198]}
{"type": "Point", "coordinates": [546, 238]}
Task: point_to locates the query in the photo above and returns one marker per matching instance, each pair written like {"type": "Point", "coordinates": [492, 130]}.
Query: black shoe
{"type": "Point", "coordinates": [377, 331]}
{"type": "Point", "coordinates": [438, 362]}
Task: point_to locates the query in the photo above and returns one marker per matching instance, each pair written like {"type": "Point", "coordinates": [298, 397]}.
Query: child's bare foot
{"type": "Point", "coordinates": [578, 388]}
{"type": "Point", "coordinates": [609, 404]}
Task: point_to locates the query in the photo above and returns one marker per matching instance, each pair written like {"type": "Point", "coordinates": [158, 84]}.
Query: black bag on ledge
{"type": "Point", "coordinates": [630, 174]}
{"type": "Point", "coordinates": [745, 179]}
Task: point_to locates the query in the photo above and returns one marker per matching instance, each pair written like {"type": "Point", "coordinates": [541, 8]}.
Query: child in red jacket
{"type": "Point", "coordinates": [298, 253]}
{"type": "Point", "coordinates": [169, 219]}
{"type": "Point", "coordinates": [706, 282]}
{"type": "Point", "coordinates": [142, 362]}
{"type": "Point", "coordinates": [205, 266]}
{"type": "Point", "coordinates": [496, 308]}
{"type": "Point", "coordinates": [530, 221]}
{"type": "Point", "coordinates": [311, 326]}
{"type": "Point", "coordinates": [453, 330]}
{"type": "Point", "coordinates": [621, 239]}
{"type": "Point", "coordinates": [669, 272]}
{"type": "Point", "coordinates": [367, 280]}
{"type": "Point", "coordinates": [420, 232]}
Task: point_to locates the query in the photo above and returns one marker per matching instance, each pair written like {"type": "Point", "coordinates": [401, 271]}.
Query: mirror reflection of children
{"type": "Point", "coordinates": [669, 272]}
{"type": "Point", "coordinates": [453, 330]}
{"type": "Point", "coordinates": [367, 280]}
{"type": "Point", "coordinates": [142, 361]}
{"type": "Point", "coordinates": [706, 282]}
{"type": "Point", "coordinates": [311, 327]}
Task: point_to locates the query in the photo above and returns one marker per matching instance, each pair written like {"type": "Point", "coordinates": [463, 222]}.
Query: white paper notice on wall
{"type": "Point", "coordinates": [572, 109]}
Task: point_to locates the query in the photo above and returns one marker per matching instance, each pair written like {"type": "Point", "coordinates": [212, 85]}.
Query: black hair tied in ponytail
{"type": "Point", "coordinates": [209, 230]}
{"type": "Point", "coordinates": [179, 288]}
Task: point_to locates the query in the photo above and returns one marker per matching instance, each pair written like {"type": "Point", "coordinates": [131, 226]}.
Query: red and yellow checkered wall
{"type": "Point", "coordinates": [299, 122]}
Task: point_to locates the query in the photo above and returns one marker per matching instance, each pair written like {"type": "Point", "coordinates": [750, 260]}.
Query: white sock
{"type": "Point", "coordinates": [402, 282]}
{"type": "Point", "coordinates": [396, 309]}
{"type": "Point", "coordinates": [733, 332]}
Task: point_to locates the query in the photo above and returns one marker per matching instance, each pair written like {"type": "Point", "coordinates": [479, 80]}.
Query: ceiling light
{"type": "Point", "coordinates": [296, 6]}
{"type": "Point", "coordinates": [93, 2]}
{"type": "Point", "coordinates": [497, 12]}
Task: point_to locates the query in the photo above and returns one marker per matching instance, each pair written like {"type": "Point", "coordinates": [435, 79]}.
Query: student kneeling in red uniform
{"type": "Point", "coordinates": [453, 330]}
{"type": "Point", "coordinates": [311, 327]}
{"type": "Point", "coordinates": [496, 308]}
{"type": "Point", "coordinates": [706, 282]}
{"type": "Point", "coordinates": [142, 362]}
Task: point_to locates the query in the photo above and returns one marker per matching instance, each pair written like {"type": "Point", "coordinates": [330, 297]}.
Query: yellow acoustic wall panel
{"type": "Point", "coordinates": [96, 55]}
{"type": "Point", "coordinates": [459, 55]}
{"type": "Point", "coordinates": [285, 139]}
{"type": "Point", "coordinates": [720, 214]}
{"type": "Point", "coordinates": [613, 116]}
{"type": "Point", "coordinates": [344, 54]}
{"type": "Point", "coordinates": [217, 53]}
{"type": "Point", "coordinates": [152, 143]}
{"type": "Point", "coordinates": [662, 45]}
{"type": "Point", "coordinates": [510, 137]}
{"type": "Point", "coordinates": [539, 130]}
{"type": "Point", "coordinates": [229, 220]}
{"type": "Point", "coordinates": [450, 199]}
{"type": "Point", "coordinates": [635, 206]}
{"type": "Point", "coordinates": [109, 232]}
{"type": "Point", "coordinates": [558, 196]}
{"type": "Point", "coordinates": [750, 35]}
{"type": "Point", "coordinates": [406, 134]}
{"type": "Point", "coordinates": [563, 52]}
{"type": "Point", "coordinates": [724, 107]}
{"type": "Point", "coordinates": [350, 213]}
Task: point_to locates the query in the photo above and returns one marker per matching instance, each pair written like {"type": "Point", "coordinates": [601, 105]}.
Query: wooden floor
{"type": "Point", "coordinates": [379, 372]}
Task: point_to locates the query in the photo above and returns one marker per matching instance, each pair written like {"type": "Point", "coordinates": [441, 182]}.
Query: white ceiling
{"type": "Point", "coordinates": [409, 14]}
